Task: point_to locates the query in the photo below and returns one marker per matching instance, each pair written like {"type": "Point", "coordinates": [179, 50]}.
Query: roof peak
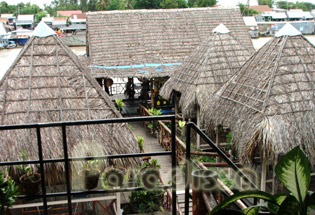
{"type": "Point", "coordinates": [221, 29]}
{"type": "Point", "coordinates": [43, 30]}
{"type": "Point", "coordinates": [288, 30]}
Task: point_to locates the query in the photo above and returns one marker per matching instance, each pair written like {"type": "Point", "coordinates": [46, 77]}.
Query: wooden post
{"type": "Point", "coordinates": [263, 174]}
{"type": "Point", "coordinates": [176, 103]}
{"type": "Point", "coordinates": [217, 141]}
{"type": "Point", "coordinates": [198, 125]}
{"type": "Point", "coordinates": [152, 93]}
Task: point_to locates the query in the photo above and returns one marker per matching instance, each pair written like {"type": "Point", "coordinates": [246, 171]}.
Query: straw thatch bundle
{"type": "Point", "coordinates": [207, 68]}
{"type": "Point", "coordinates": [139, 37]}
{"type": "Point", "coordinates": [269, 102]}
{"type": "Point", "coordinates": [47, 83]}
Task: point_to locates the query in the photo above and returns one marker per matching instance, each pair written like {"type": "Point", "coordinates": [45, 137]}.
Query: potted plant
{"type": "Point", "coordinates": [149, 173]}
{"type": "Point", "coordinates": [8, 193]}
{"type": "Point", "coordinates": [29, 180]}
{"type": "Point", "coordinates": [90, 174]}
{"type": "Point", "coordinates": [114, 177]}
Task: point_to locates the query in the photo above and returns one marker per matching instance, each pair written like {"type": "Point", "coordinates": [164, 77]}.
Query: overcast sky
{"type": "Point", "coordinates": [221, 2]}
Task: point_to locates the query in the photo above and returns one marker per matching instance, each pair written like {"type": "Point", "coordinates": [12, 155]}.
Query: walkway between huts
{"type": "Point", "coordinates": [151, 144]}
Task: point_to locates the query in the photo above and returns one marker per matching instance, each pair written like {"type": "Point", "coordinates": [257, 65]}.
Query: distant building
{"type": "Point", "coordinates": [48, 20]}
{"type": "Point", "coordinates": [68, 13]}
{"type": "Point", "coordinates": [298, 15]}
{"type": "Point", "coordinates": [261, 8]}
{"type": "Point", "coordinates": [10, 17]}
{"type": "Point", "coordinates": [252, 26]}
{"type": "Point", "coordinates": [78, 18]}
{"type": "Point", "coordinates": [272, 16]}
{"type": "Point", "coordinates": [59, 22]}
{"type": "Point", "coordinates": [25, 21]}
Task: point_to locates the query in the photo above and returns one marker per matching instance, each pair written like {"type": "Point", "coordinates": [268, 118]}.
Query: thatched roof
{"type": "Point", "coordinates": [140, 37]}
{"type": "Point", "coordinates": [207, 68]}
{"type": "Point", "coordinates": [269, 103]}
{"type": "Point", "coordinates": [47, 83]}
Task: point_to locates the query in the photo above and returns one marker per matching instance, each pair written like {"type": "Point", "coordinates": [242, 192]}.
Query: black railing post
{"type": "Point", "coordinates": [174, 200]}
{"type": "Point", "coordinates": [42, 171]}
{"type": "Point", "coordinates": [67, 172]}
{"type": "Point", "coordinates": [222, 155]}
{"type": "Point", "coordinates": [187, 174]}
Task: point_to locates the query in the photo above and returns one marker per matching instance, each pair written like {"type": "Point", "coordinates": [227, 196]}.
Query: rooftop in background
{"type": "Point", "coordinates": [68, 12]}
{"type": "Point", "coordinates": [261, 8]}
{"type": "Point", "coordinates": [164, 36]}
{"type": "Point", "coordinates": [25, 17]}
{"type": "Point", "coordinates": [78, 16]}
{"type": "Point", "coordinates": [7, 15]}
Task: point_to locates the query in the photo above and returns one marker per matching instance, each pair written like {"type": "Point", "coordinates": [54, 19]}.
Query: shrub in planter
{"type": "Point", "coordinates": [30, 180]}
{"type": "Point", "coordinates": [90, 174]}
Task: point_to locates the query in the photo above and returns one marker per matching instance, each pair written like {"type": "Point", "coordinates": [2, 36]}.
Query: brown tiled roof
{"type": "Point", "coordinates": [79, 15]}
{"type": "Point", "coordinates": [261, 8]}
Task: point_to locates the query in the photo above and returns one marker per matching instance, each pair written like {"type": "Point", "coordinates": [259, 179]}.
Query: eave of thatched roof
{"type": "Point", "coordinates": [132, 37]}
{"type": "Point", "coordinates": [47, 83]}
{"type": "Point", "coordinates": [269, 103]}
{"type": "Point", "coordinates": [207, 68]}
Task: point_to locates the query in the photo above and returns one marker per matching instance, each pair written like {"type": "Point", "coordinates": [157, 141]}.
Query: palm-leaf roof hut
{"type": "Point", "coordinates": [207, 68]}
{"type": "Point", "coordinates": [153, 43]}
{"type": "Point", "coordinates": [47, 83]}
{"type": "Point", "coordinates": [269, 103]}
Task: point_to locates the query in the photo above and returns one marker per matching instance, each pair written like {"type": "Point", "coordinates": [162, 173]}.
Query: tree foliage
{"type": "Point", "coordinates": [247, 11]}
{"type": "Point", "coordinates": [305, 6]}
{"type": "Point", "coordinates": [266, 2]}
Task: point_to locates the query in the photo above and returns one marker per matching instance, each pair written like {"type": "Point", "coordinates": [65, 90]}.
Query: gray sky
{"type": "Point", "coordinates": [221, 2]}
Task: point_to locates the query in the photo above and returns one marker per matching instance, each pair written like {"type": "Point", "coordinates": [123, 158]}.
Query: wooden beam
{"type": "Point", "coordinates": [209, 164]}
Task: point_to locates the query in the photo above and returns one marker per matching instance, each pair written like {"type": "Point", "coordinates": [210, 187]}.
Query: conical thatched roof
{"type": "Point", "coordinates": [47, 83]}
{"type": "Point", "coordinates": [208, 67]}
{"type": "Point", "coordinates": [269, 103]}
{"type": "Point", "coordinates": [149, 43]}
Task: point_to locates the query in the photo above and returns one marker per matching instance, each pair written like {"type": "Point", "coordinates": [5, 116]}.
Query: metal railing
{"type": "Point", "coordinates": [66, 160]}
{"type": "Point", "coordinates": [221, 154]}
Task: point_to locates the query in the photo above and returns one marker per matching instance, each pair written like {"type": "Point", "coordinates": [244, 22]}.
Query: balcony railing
{"type": "Point", "coordinates": [66, 159]}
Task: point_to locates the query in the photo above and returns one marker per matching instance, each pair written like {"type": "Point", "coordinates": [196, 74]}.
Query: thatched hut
{"type": "Point", "coordinates": [152, 44]}
{"type": "Point", "coordinates": [269, 103]}
{"type": "Point", "coordinates": [207, 68]}
{"type": "Point", "coordinates": [47, 83]}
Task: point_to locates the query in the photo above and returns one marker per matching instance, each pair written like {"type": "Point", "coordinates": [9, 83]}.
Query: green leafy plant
{"type": "Point", "coordinates": [145, 201]}
{"type": "Point", "coordinates": [131, 127]}
{"type": "Point", "coordinates": [294, 172]}
{"type": "Point", "coordinates": [120, 104]}
{"type": "Point", "coordinates": [181, 124]}
{"type": "Point", "coordinates": [27, 170]}
{"type": "Point", "coordinates": [155, 112]}
{"type": "Point", "coordinates": [8, 193]}
{"type": "Point", "coordinates": [90, 167]}
{"type": "Point", "coordinates": [140, 142]}
{"type": "Point", "coordinates": [153, 164]}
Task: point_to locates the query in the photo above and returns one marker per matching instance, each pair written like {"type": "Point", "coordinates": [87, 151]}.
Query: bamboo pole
{"type": "Point", "coordinates": [198, 125]}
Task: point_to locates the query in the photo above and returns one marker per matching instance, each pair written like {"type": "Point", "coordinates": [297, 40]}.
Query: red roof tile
{"type": "Point", "coordinates": [68, 12]}
{"type": "Point", "coordinates": [261, 8]}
